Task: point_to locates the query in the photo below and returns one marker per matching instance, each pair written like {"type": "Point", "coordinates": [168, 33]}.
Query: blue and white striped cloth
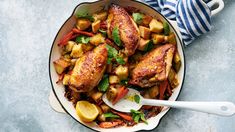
{"type": "Point", "coordinates": [193, 17]}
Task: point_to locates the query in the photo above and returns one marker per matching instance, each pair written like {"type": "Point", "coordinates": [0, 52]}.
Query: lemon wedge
{"type": "Point", "coordinates": [86, 111]}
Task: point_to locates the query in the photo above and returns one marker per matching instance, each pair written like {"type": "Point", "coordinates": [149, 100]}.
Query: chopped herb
{"type": "Point", "coordinates": [109, 60]}
{"type": "Point", "coordinates": [85, 16]}
{"type": "Point", "coordinates": [124, 82]}
{"type": "Point", "coordinates": [137, 99]}
{"type": "Point", "coordinates": [113, 53]}
{"type": "Point", "coordinates": [116, 37]}
{"type": "Point", "coordinates": [137, 17]}
{"type": "Point", "coordinates": [104, 83]}
{"type": "Point", "coordinates": [82, 39]}
{"type": "Point", "coordinates": [110, 115]}
{"type": "Point", "coordinates": [166, 28]}
{"type": "Point", "coordinates": [120, 60]}
{"type": "Point", "coordinates": [149, 46]}
{"type": "Point", "coordinates": [103, 32]}
{"type": "Point", "coordinates": [136, 115]}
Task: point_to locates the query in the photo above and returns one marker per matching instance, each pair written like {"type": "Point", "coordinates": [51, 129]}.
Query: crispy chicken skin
{"type": "Point", "coordinates": [89, 69]}
{"type": "Point", "coordinates": [128, 30]}
{"type": "Point", "coordinates": [153, 67]}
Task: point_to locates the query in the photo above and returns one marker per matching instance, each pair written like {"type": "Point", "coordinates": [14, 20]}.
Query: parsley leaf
{"type": "Point", "coordinates": [82, 39]}
{"type": "Point", "coordinates": [120, 60]}
{"type": "Point", "coordinates": [116, 37]}
{"type": "Point", "coordinates": [166, 28]}
{"type": "Point", "coordinates": [113, 53]}
{"type": "Point", "coordinates": [149, 46]}
{"type": "Point", "coordinates": [86, 16]}
{"type": "Point", "coordinates": [137, 115]}
{"type": "Point", "coordinates": [110, 115]}
{"type": "Point", "coordinates": [104, 83]}
{"type": "Point", "coordinates": [103, 32]}
{"type": "Point", "coordinates": [137, 99]}
{"type": "Point", "coordinates": [137, 17]}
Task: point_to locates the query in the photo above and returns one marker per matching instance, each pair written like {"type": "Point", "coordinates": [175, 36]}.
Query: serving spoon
{"type": "Point", "coordinates": [126, 104]}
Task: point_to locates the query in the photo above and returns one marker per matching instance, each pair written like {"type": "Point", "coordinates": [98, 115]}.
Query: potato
{"type": "Point", "coordinates": [171, 38]}
{"type": "Point", "coordinates": [144, 32]}
{"type": "Point", "coordinates": [97, 39]}
{"type": "Point", "coordinates": [113, 79]}
{"type": "Point", "coordinates": [146, 20]}
{"type": "Point", "coordinates": [77, 51]}
{"type": "Point", "coordinates": [105, 108]}
{"type": "Point", "coordinates": [95, 26]}
{"type": "Point", "coordinates": [111, 93]}
{"type": "Point", "coordinates": [142, 44]}
{"type": "Point", "coordinates": [101, 118]}
{"type": "Point", "coordinates": [99, 109]}
{"type": "Point", "coordinates": [176, 61]}
{"type": "Point", "coordinates": [87, 47]}
{"type": "Point", "coordinates": [60, 65]}
{"type": "Point", "coordinates": [96, 96]}
{"type": "Point", "coordinates": [83, 24]}
{"type": "Point", "coordinates": [69, 46]}
{"type": "Point", "coordinates": [173, 78]}
{"type": "Point", "coordinates": [157, 38]}
{"type": "Point", "coordinates": [156, 26]}
{"type": "Point", "coordinates": [122, 72]}
{"type": "Point", "coordinates": [100, 16]}
{"type": "Point", "coordinates": [66, 79]}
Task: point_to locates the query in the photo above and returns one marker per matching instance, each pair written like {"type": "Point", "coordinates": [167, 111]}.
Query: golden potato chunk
{"type": "Point", "coordinates": [95, 26]}
{"type": "Point", "coordinates": [113, 79]}
{"type": "Point", "coordinates": [144, 32]}
{"type": "Point", "coordinates": [146, 20]}
{"type": "Point", "coordinates": [66, 79]}
{"type": "Point", "coordinates": [156, 26]}
{"type": "Point", "coordinates": [83, 24]}
{"type": "Point", "coordinates": [69, 46]}
{"type": "Point", "coordinates": [157, 38]}
{"type": "Point", "coordinates": [142, 44]}
{"type": "Point", "coordinates": [60, 65]}
{"type": "Point", "coordinates": [97, 39]}
{"type": "Point", "coordinates": [122, 72]}
{"type": "Point", "coordinates": [77, 51]}
{"type": "Point", "coordinates": [100, 16]}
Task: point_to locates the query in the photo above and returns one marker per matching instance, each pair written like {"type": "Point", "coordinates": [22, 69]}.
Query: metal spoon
{"type": "Point", "coordinates": [217, 108]}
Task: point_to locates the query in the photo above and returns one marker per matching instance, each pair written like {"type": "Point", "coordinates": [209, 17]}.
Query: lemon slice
{"type": "Point", "coordinates": [86, 111]}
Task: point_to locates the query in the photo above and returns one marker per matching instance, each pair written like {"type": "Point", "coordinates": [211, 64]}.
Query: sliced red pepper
{"type": "Point", "coordinates": [75, 30]}
{"type": "Point", "coordinates": [65, 39]}
{"type": "Point", "coordinates": [122, 92]}
{"type": "Point", "coordinates": [110, 124]}
{"type": "Point", "coordinates": [169, 90]}
{"type": "Point", "coordinates": [123, 115]}
{"type": "Point", "coordinates": [162, 89]}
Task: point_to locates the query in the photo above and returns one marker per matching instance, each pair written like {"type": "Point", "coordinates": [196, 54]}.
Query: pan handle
{"type": "Point", "coordinates": [219, 7]}
{"type": "Point", "coordinates": [55, 105]}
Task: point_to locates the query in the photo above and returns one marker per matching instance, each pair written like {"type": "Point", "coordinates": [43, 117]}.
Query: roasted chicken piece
{"type": "Point", "coordinates": [153, 67]}
{"type": "Point", "coordinates": [128, 30]}
{"type": "Point", "coordinates": [89, 69]}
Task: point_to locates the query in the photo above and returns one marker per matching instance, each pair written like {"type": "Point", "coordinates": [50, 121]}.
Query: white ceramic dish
{"type": "Point", "coordinates": [59, 91]}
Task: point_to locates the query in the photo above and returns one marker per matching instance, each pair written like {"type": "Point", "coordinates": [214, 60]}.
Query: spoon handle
{"type": "Point", "coordinates": [218, 108]}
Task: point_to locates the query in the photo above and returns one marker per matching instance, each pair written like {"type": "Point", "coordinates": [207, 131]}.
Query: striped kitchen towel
{"type": "Point", "coordinates": [193, 17]}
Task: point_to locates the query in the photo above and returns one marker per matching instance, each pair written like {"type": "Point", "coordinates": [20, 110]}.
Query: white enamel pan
{"type": "Point", "coordinates": [57, 100]}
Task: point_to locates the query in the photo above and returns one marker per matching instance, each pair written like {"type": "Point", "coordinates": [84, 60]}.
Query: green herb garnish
{"type": "Point", "coordinates": [137, 115]}
{"type": "Point", "coordinates": [124, 82]}
{"type": "Point", "coordinates": [82, 39]}
{"type": "Point", "coordinates": [149, 46]}
{"type": "Point", "coordinates": [103, 32]}
{"type": "Point", "coordinates": [104, 83]}
{"type": "Point", "coordinates": [137, 99]}
{"type": "Point", "coordinates": [166, 28]}
{"type": "Point", "coordinates": [137, 17]}
{"type": "Point", "coordinates": [110, 115]}
{"type": "Point", "coordinates": [85, 16]}
{"type": "Point", "coordinates": [116, 37]}
{"type": "Point", "coordinates": [113, 54]}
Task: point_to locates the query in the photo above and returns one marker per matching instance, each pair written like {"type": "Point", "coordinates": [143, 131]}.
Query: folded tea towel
{"type": "Point", "coordinates": [193, 17]}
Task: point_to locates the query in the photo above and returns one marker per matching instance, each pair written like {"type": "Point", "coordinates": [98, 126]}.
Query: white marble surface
{"type": "Point", "coordinates": [27, 29]}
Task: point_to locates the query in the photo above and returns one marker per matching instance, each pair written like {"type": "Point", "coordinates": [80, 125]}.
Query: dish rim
{"type": "Point", "coordinates": [180, 41]}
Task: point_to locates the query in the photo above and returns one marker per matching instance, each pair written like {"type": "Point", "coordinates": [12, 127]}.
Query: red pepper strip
{"type": "Point", "coordinates": [169, 89]}
{"type": "Point", "coordinates": [162, 89]}
{"type": "Point", "coordinates": [110, 124]}
{"type": "Point", "coordinates": [61, 77]}
{"type": "Point", "coordinates": [121, 93]}
{"type": "Point", "coordinates": [109, 42]}
{"type": "Point", "coordinates": [74, 36]}
{"type": "Point", "coordinates": [65, 39]}
{"type": "Point", "coordinates": [124, 116]}
{"type": "Point", "coordinates": [147, 107]}
{"type": "Point", "coordinates": [75, 30]}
